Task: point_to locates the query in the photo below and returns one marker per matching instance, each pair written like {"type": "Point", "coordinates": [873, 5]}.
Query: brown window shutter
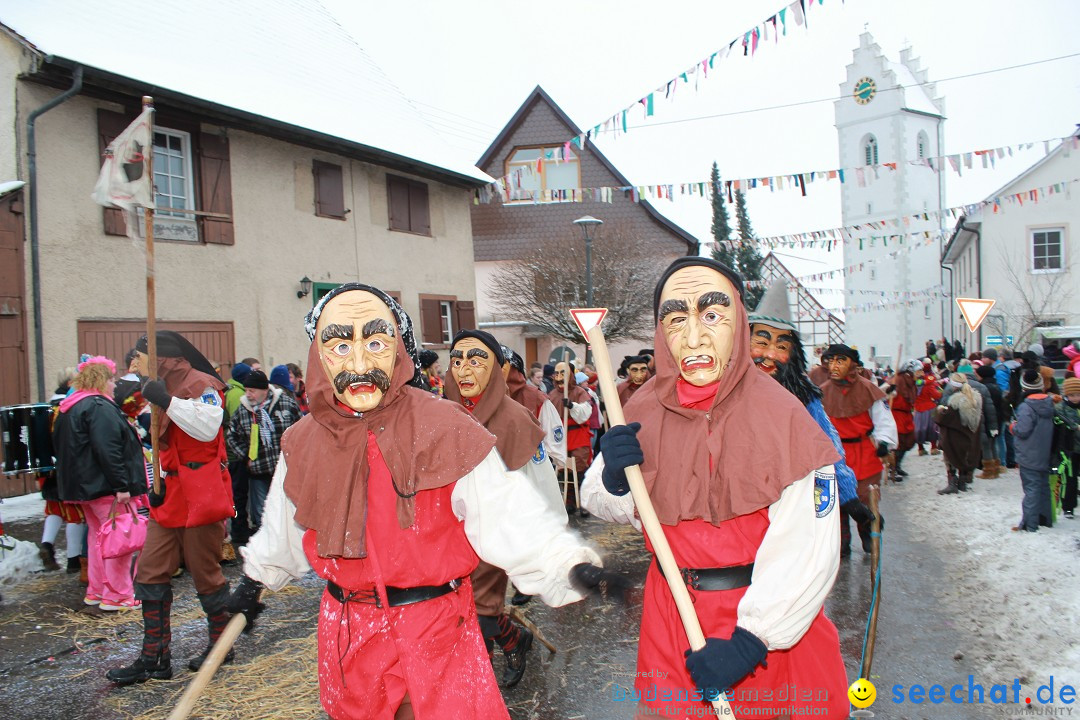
{"type": "Point", "coordinates": [419, 214]}
{"type": "Point", "coordinates": [215, 189]}
{"type": "Point", "coordinates": [466, 315]}
{"type": "Point", "coordinates": [110, 125]}
{"type": "Point", "coordinates": [430, 321]}
{"type": "Point", "coordinates": [329, 190]}
{"type": "Point", "coordinates": [397, 191]}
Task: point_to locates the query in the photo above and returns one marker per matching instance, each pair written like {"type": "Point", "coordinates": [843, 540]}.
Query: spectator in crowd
{"type": "Point", "coordinates": [1068, 413]}
{"type": "Point", "coordinates": [431, 374]}
{"type": "Point", "coordinates": [253, 363]}
{"type": "Point", "coordinates": [279, 378]}
{"type": "Point", "coordinates": [536, 377]}
{"type": "Point", "coordinates": [1034, 433]}
{"type": "Point", "coordinates": [549, 378]}
{"type": "Point", "coordinates": [234, 393]}
{"type": "Point", "coordinates": [59, 513]}
{"type": "Point", "coordinates": [991, 462]}
{"type": "Point", "coordinates": [255, 430]}
{"type": "Point", "coordinates": [296, 375]}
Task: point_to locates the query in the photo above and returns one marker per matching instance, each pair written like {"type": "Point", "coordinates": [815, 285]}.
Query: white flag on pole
{"type": "Point", "coordinates": [125, 180]}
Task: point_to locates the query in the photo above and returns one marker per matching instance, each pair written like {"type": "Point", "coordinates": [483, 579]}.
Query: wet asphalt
{"type": "Point", "coordinates": [53, 668]}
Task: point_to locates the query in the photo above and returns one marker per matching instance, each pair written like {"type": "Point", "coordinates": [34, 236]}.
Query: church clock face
{"type": "Point", "coordinates": [865, 89]}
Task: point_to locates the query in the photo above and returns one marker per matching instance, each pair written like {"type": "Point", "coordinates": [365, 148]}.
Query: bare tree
{"type": "Point", "coordinates": [1039, 297]}
{"type": "Point", "coordinates": [542, 285]}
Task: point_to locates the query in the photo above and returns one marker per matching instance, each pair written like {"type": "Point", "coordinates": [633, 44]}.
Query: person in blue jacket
{"type": "Point", "coordinates": [777, 349]}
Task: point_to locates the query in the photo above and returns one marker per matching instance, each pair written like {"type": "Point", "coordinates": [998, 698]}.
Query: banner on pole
{"type": "Point", "coordinates": [125, 181]}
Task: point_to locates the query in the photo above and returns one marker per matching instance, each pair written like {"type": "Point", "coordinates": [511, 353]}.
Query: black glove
{"type": "Point", "coordinates": [716, 667]}
{"type": "Point", "coordinates": [588, 578]}
{"type": "Point", "coordinates": [245, 599]}
{"type": "Point", "coordinates": [154, 391]}
{"type": "Point", "coordinates": [859, 512]}
{"type": "Point", "coordinates": [621, 449]}
{"type": "Point", "coordinates": [882, 448]}
{"type": "Point", "coordinates": [567, 404]}
{"type": "Point", "coordinates": [155, 499]}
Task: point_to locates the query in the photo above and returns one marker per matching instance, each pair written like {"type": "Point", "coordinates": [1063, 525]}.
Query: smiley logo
{"type": "Point", "coordinates": [862, 693]}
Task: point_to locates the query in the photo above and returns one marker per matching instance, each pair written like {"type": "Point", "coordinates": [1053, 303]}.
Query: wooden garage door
{"type": "Point", "coordinates": [113, 338]}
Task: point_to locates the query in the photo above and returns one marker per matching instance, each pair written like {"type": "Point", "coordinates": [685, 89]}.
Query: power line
{"type": "Point", "coordinates": [839, 97]}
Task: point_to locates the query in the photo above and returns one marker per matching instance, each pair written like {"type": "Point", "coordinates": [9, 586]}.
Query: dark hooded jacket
{"type": "Point", "coordinates": [98, 452]}
{"type": "Point", "coordinates": [1034, 431]}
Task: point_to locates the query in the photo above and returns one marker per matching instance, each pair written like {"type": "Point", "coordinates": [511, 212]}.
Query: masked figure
{"type": "Point", "coordinates": [475, 380]}
{"type": "Point", "coordinates": [196, 496]}
{"type": "Point", "coordinates": [579, 409]}
{"type": "Point", "coordinates": [536, 402]}
{"type": "Point", "coordinates": [637, 372]}
{"type": "Point", "coordinates": [905, 392]}
{"type": "Point", "coordinates": [777, 349]}
{"type": "Point", "coordinates": [857, 408]}
{"type": "Point", "coordinates": [384, 490]}
{"type": "Point", "coordinates": [741, 477]}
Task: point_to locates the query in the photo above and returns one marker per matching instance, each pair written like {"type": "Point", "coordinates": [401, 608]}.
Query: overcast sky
{"type": "Point", "coordinates": [469, 65]}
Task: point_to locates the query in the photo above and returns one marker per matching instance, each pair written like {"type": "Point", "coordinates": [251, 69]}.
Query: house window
{"type": "Point", "coordinates": [870, 153]}
{"type": "Point", "coordinates": [1046, 249]}
{"type": "Point", "coordinates": [329, 190]}
{"type": "Point", "coordinates": [543, 174]}
{"type": "Point", "coordinates": [441, 316]}
{"type": "Point", "coordinates": [922, 145]}
{"type": "Point", "coordinates": [172, 172]}
{"type": "Point", "coordinates": [409, 210]}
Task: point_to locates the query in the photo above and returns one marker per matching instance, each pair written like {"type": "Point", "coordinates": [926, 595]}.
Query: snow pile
{"type": "Point", "coordinates": [1013, 593]}
{"type": "Point", "coordinates": [18, 560]}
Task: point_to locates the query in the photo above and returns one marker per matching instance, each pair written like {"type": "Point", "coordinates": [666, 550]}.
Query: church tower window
{"type": "Point", "coordinates": [923, 145]}
{"type": "Point", "coordinates": [870, 153]}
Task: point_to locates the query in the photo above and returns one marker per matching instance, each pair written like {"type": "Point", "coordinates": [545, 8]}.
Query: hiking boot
{"type": "Point", "coordinates": [217, 618]}
{"type": "Point", "coordinates": [73, 565]}
{"type": "Point", "coordinates": [516, 659]}
{"type": "Point", "coordinates": [48, 556]}
{"type": "Point", "coordinates": [197, 662]}
{"type": "Point", "coordinates": [143, 669]}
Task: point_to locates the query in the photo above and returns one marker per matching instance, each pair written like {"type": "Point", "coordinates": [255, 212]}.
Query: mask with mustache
{"type": "Point", "coordinates": [374, 377]}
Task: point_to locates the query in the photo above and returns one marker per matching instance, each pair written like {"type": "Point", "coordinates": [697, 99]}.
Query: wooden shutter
{"type": "Point", "coordinates": [430, 321]}
{"type": "Point", "coordinates": [110, 125]}
{"type": "Point", "coordinates": [329, 190]}
{"type": "Point", "coordinates": [215, 189]}
{"type": "Point", "coordinates": [397, 191]}
{"type": "Point", "coordinates": [465, 315]}
{"type": "Point", "coordinates": [419, 214]}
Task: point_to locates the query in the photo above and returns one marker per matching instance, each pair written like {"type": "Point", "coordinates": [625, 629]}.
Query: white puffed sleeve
{"type": "Point", "coordinates": [511, 526]}
{"type": "Point", "coordinates": [796, 563]}
{"type": "Point", "coordinates": [597, 500]}
{"type": "Point", "coordinates": [275, 555]}
{"type": "Point", "coordinates": [554, 433]}
{"type": "Point", "coordinates": [199, 417]}
{"type": "Point", "coordinates": [884, 425]}
{"type": "Point", "coordinates": [581, 412]}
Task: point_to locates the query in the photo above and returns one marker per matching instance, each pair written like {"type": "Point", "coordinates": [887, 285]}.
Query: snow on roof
{"type": "Point", "coordinates": [287, 60]}
{"type": "Point", "coordinates": [915, 97]}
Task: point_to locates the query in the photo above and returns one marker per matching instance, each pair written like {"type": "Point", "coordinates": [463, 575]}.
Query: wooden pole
{"type": "Point", "coordinates": [647, 513]}
{"type": "Point", "coordinates": [566, 433]}
{"type": "Point", "coordinates": [515, 612]}
{"type": "Point", "coordinates": [209, 667]}
{"type": "Point", "coordinates": [151, 304]}
{"type": "Point", "coordinates": [875, 580]}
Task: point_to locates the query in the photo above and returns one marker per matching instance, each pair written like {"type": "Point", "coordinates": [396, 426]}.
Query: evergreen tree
{"type": "Point", "coordinates": [747, 255]}
{"type": "Point", "coordinates": [721, 224]}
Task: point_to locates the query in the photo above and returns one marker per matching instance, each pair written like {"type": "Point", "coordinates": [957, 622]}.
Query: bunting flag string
{"type": "Point", "coordinates": [511, 188]}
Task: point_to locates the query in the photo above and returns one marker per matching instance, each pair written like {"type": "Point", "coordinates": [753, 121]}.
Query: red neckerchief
{"type": "Point", "coordinates": [471, 403]}
{"type": "Point", "coordinates": [696, 397]}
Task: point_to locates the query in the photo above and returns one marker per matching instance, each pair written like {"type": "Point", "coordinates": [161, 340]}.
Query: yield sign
{"type": "Point", "coordinates": [974, 311]}
{"type": "Point", "coordinates": [588, 318]}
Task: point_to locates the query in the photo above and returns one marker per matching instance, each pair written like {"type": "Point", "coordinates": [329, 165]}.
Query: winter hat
{"type": "Point", "coordinates": [428, 358]}
{"type": "Point", "coordinates": [842, 350]}
{"type": "Point", "coordinates": [1036, 348]}
{"type": "Point", "coordinates": [990, 354]}
{"type": "Point", "coordinates": [581, 378]}
{"type": "Point", "coordinates": [1031, 380]}
{"type": "Point", "coordinates": [927, 368]}
{"type": "Point", "coordinates": [965, 367]}
{"type": "Point", "coordinates": [911, 366]}
{"type": "Point", "coordinates": [957, 380]}
{"type": "Point", "coordinates": [1071, 386]}
{"type": "Point", "coordinates": [256, 380]}
{"type": "Point", "coordinates": [985, 372]}
{"type": "Point", "coordinates": [774, 308]}
{"type": "Point", "coordinates": [280, 377]}
{"type": "Point", "coordinates": [240, 371]}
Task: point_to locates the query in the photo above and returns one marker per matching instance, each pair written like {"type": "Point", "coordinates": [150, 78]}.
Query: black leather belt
{"type": "Point", "coordinates": [726, 578]}
{"type": "Point", "coordinates": [394, 595]}
{"type": "Point", "coordinates": [850, 441]}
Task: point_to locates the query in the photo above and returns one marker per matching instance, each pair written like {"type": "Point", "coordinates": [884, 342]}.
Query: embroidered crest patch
{"type": "Point", "coordinates": [558, 434]}
{"type": "Point", "coordinates": [824, 492]}
{"type": "Point", "coordinates": [210, 398]}
{"type": "Point", "coordinates": [540, 455]}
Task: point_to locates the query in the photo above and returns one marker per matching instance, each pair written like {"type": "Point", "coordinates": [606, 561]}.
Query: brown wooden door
{"type": "Point", "coordinates": [113, 338]}
{"type": "Point", "coordinates": [14, 356]}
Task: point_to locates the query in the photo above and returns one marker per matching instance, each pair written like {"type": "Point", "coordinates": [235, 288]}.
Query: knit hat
{"type": "Point", "coordinates": [990, 354]}
{"type": "Point", "coordinates": [1031, 380]}
{"type": "Point", "coordinates": [985, 372]}
{"type": "Point", "coordinates": [428, 358]}
{"type": "Point", "coordinates": [1036, 348]}
{"type": "Point", "coordinates": [256, 380]}
{"type": "Point", "coordinates": [1071, 386]}
{"type": "Point", "coordinates": [240, 371]}
{"type": "Point", "coordinates": [965, 367]}
{"type": "Point", "coordinates": [280, 376]}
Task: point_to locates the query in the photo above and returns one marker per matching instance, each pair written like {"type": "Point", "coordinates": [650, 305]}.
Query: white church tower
{"type": "Point", "coordinates": [888, 114]}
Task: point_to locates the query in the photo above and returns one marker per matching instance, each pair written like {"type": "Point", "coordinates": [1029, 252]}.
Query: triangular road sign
{"type": "Point", "coordinates": [588, 318]}
{"type": "Point", "coordinates": [974, 311]}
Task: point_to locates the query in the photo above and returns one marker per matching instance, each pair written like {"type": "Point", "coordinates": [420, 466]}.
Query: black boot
{"type": "Point", "coordinates": [217, 617]}
{"type": "Point", "coordinates": [74, 565]}
{"type": "Point", "coordinates": [48, 556]}
{"type": "Point", "coordinates": [516, 657]}
{"type": "Point", "coordinates": [155, 661]}
{"type": "Point", "coordinates": [963, 481]}
{"type": "Point", "coordinates": [953, 487]}
{"type": "Point", "coordinates": [900, 472]}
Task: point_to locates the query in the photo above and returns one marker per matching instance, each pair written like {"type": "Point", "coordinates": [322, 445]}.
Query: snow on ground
{"type": "Point", "coordinates": [1016, 593]}
{"type": "Point", "coordinates": [18, 560]}
{"type": "Point", "coordinates": [23, 507]}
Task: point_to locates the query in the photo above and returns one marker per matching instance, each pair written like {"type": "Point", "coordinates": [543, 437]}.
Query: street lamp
{"type": "Point", "coordinates": [586, 224]}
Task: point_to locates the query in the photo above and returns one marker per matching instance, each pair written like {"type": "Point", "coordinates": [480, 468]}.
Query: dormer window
{"type": "Point", "coordinates": [543, 174]}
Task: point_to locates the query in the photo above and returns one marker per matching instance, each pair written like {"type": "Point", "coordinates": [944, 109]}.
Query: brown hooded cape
{"type": "Point", "coordinates": [426, 442]}
{"type": "Point", "coordinates": [850, 397]}
{"type": "Point", "coordinates": [524, 392]}
{"type": "Point", "coordinates": [517, 434]}
{"type": "Point", "coordinates": [738, 457]}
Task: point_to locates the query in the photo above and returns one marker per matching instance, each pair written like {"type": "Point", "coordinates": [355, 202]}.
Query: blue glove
{"type": "Point", "coordinates": [621, 449]}
{"type": "Point", "coordinates": [716, 667]}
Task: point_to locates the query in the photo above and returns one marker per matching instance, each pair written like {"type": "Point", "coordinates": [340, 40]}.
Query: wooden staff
{"type": "Point", "coordinates": [515, 612]}
{"type": "Point", "coordinates": [209, 667]}
{"type": "Point", "coordinates": [566, 432]}
{"type": "Point", "coordinates": [577, 486]}
{"type": "Point", "coordinates": [647, 513]}
{"type": "Point", "coordinates": [875, 589]}
{"type": "Point", "coordinates": [151, 303]}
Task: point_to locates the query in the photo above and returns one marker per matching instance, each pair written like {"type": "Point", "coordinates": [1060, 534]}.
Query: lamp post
{"type": "Point", "coordinates": [586, 223]}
